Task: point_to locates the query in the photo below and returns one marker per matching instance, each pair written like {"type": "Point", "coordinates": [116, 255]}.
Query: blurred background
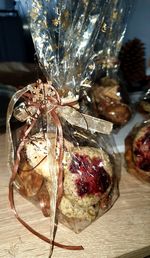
{"type": "Point", "coordinates": [138, 25]}
{"type": "Point", "coordinates": [18, 65]}
{"type": "Point", "coordinates": [16, 46]}
{"type": "Point", "coordinates": [16, 43]}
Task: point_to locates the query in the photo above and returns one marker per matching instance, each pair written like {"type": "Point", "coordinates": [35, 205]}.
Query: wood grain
{"type": "Point", "coordinates": [124, 231]}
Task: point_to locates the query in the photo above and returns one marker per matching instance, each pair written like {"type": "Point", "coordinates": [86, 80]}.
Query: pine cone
{"type": "Point", "coordinates": [132, 62]}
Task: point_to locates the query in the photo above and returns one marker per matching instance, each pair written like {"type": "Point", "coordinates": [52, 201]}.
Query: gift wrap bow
{"type": "Point", "coordinates": [43, 97]}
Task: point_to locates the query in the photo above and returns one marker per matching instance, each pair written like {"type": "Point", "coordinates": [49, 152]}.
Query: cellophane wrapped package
{"type": "Point", "coordinates": [110, 102]}
{"type": "Point", "coordinates": [108, 93]}
{"type": "Point", "coordinates": [61, 159]}
{"type": "Point", "coordinates": [144, 101]}
{"type": "Point", "coordinates": [137, 151]}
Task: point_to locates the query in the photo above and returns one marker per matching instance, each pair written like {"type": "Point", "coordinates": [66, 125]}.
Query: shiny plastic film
{"type": "Point", "coordinates": [62, 160]}
{"type": "Point", "coordinates": [111, 35]}
{"type": "Point", "coordinates": [108, 97]}
{"type": "Point", "coordinates": [144, 102]}
{"type": "Point", "coordinates": [137, 151]}
{"type": "Point", "coordinates": [110, 102]}
{"type": "Point", "coordinates": [64, 34]}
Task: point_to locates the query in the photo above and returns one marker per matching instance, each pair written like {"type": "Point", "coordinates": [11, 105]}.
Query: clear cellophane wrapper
{"type": "Point", "coordinates": [62, 160]}
{"type": "Point", "coordinates": [137, 151]}
{"type": "Point", "coordinates": [109, 97]}
{"type": "Point", "coordinates": [143, 104]}
{"type": "Point", "coordinates": [111, 36]}
{"type": "Point", "coordinates": [90, 164]}
{"type": "Point", "coordinates": [110, 101]}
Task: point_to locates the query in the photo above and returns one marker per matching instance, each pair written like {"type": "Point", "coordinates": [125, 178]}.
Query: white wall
{"type": "Point", "coordinates": [139, 24]}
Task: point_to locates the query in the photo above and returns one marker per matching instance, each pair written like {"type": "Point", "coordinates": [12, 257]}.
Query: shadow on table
{"type": "Point", "coordinates": [141, 253]}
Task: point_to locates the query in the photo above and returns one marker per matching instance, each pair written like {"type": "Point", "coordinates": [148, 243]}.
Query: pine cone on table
{"type": "Point", "coordinates": [133, 64]}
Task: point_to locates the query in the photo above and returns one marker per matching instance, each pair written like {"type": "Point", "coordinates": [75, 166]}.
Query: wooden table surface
{"type": "Point", "coordinates": [124, 231]}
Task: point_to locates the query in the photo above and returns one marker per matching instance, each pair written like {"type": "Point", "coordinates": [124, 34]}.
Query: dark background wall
{"type": "Point", "coordinates": [139, 24]}
{"type": "Point", "coordinates": [6, 4]}
{"type": "Point", "coordinates": [15, 39]}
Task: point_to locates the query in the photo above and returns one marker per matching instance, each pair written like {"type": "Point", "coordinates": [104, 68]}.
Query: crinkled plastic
{"type": "Point", "coordinates": [111, 36]}
{"type": "Point", "coordinates": [61, 159]}
{"type": "Point", "coordinates": [65, 34]}
{"type": "Point", "coordinates": [110, 102]}
{"type": "Point", "coordinates": [144, 102]}
{"type": "Point", "coordinates": [89, 162]}
{"type": "Point", "coordinates": [137, 151]}
{"type": "Point", "coordinates": [108, 96]}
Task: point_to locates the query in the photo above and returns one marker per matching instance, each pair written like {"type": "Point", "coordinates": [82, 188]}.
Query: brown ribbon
{"type": "Point", "coordinates": [55, 102]}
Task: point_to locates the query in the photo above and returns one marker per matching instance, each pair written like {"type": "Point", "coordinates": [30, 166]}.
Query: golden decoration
{"type": "Point", "coordinates": [55, 22]}
{"type": "Point", "coordinates": [104, 27]}
{"type": "Point", "coordinates": [86, 83]}
{"type": "Point", "coordinates": [65, 19]}
{"type": "Point", "coordinates": [85, 2]}
{"type": "Point", "coordinates": [114, 15]}
{"type": "Point", "coordinates": [92, 66]}
{"type": "Point", "coordinates": [34, 15]}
